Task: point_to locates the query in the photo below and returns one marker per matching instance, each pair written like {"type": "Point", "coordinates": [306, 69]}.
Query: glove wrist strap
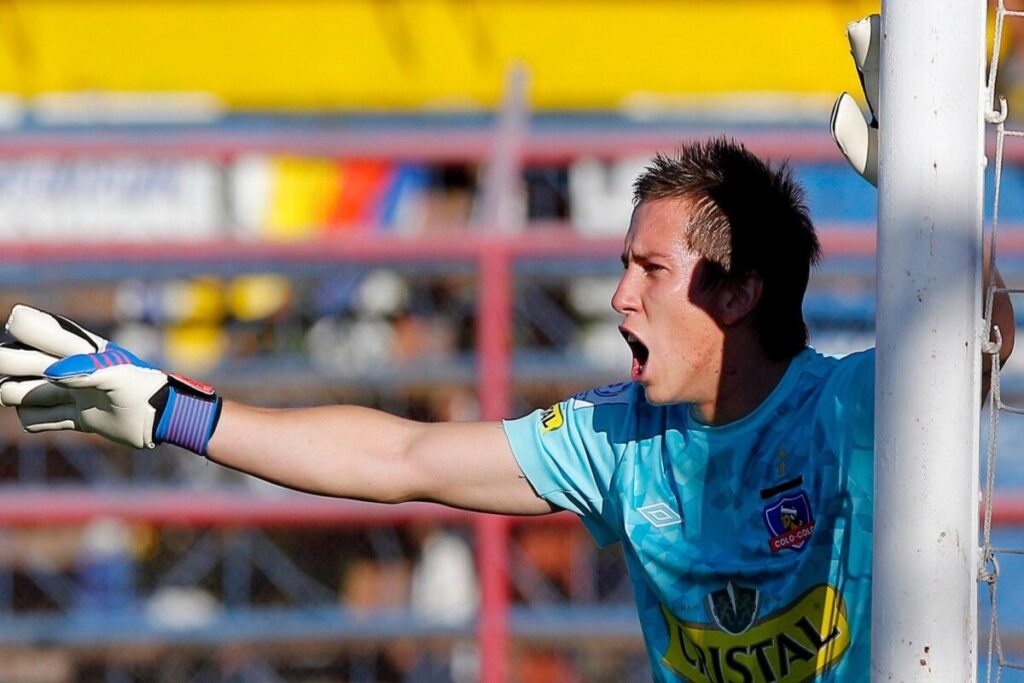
{"type": "Point", "coordinates": [188, 420]}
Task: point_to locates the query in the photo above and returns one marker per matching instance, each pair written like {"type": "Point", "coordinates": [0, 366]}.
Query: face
{"type": "Point", "coordinates": [676, 344]}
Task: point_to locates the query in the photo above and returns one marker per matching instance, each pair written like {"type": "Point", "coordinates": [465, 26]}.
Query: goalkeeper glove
{"type": "Point", "coordinates": [856, 137]}
{"type": "Point", "coordinates": [61, 376]}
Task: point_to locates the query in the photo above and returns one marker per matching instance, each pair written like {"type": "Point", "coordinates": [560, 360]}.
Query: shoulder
{"type": "Point", "coordinates": [609, 417]}
{"type": "Point", "coordinates": [859, 365]}
{"type": "Point", "coordinates": [619, 393]}
{"type": "Point", "coordinates": [846, 400]}
{"type": "Point", "coordinates": [831, 382]}
{"type": "Point", "coordinates": [612, 411]}
{"type": "Point", "coordinates": [863, 358]}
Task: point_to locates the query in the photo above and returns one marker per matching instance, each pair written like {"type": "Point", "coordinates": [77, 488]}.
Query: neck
{"type": "Point", "coordinates": [746, 380]}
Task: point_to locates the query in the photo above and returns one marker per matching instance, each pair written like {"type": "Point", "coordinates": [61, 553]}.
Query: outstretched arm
{"type": "Point", "coordinates": [355, 452]}
{"type": "Point", "coordinates": [60, 376]}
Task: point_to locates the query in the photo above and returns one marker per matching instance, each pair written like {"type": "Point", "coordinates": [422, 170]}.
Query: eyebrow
{"type": "Point", "coordinates": [625, 257]}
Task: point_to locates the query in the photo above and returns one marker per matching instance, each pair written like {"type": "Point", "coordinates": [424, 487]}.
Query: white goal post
{"type": "Point", "coordinates": [929, 327]}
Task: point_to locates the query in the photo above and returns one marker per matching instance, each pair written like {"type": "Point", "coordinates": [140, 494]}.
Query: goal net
{"type": "Point", "coordinates": [995, 656]}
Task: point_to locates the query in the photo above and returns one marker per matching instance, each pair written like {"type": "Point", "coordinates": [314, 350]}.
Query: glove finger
{"type": "Point", "coordinates": [856, 139]}
{"type": "Point", "coordinates": [871, 164]}
{"type": "Point", "coordinates": [115, 401]}
{"type": "Point", "coordinates": [865, 45]}
{"type": "Point", "coordinates": [122, 415]}
{"type": "Point", "coordinates": [18, 360]}
{"type": "Point", "coordinates": [33, 392]}
{"type": "Point", "coordinates": [53, 334]}
{"type": "Point", "coordinates": [92, 411]}
{"type": "Point", "coordinates": [37, 419]}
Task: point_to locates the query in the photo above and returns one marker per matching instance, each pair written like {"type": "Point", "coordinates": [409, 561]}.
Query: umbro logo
{"type": "Point", "coordinates": [660, 514]}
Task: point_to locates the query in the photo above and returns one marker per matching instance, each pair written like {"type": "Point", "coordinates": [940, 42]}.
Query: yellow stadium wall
{"type": "Point", "coordinates": [415, 53]}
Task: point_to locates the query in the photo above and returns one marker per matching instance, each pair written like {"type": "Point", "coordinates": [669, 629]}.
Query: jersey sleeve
{"type": "Point", "coordinates": [569, 453]}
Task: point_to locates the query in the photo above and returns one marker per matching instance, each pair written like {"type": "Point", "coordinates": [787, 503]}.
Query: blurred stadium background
{"type": "Point", "coordinates": [414, 205]}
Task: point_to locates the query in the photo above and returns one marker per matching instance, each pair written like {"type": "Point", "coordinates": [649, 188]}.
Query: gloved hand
{"type": "Point", "coordinates": [858, 138]}
{"type": "Point", "coordinates": [61, 376]}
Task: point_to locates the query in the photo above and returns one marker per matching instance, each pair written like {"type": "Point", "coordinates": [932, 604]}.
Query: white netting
{"type": "Point", "coordinates": [996, 660]}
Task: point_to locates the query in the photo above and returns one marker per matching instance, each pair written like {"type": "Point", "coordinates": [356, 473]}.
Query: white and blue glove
{"type": "Point", "coordinates": [60, 376]}
{"type": "Point", "coordinates": [856, 136]}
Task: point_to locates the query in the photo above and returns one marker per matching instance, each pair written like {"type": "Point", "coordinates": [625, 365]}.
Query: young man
{"type": "Point", "coordinates": [735, 466]}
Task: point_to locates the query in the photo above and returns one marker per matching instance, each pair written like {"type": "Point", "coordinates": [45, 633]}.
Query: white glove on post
{"type": "Point", "coordinates": [61, 376]}
{"type": "Point", "coordinates": [856, 137]}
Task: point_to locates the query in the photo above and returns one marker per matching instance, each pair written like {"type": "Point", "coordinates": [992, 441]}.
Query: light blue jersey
{"type": "Point", "coordinates": [748, 544]}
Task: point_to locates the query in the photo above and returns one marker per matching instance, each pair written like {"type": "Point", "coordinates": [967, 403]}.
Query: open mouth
{"type": "Point", "coordinates": [640, 352]}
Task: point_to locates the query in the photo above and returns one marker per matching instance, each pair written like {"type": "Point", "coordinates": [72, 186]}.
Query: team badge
{"type": "Point", "coordinates": [551, 419]}
{"type": "Point", "coordinates": [790, 522]}
{"type": "Point", "coordinates": [734, 608]}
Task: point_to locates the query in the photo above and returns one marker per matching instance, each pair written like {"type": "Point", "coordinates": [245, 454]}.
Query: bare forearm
{"type": "Point", "coordinates": [354, 452]}
{"type": "Point", "coordinates": [345, 451]}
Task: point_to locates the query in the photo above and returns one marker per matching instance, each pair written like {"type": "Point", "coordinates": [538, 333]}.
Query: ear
{"type": "Point", "coordinates": [737, 299]}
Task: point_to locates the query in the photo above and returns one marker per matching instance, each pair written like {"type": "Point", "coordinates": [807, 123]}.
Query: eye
{"type": "Point", "coordinates": [652, 267]}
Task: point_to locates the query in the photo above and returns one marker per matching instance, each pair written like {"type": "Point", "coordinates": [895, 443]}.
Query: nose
{"type": "Point", "coordinates": [625, 299]}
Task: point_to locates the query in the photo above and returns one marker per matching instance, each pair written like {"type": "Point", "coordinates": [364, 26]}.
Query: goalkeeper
{"type": "Point", "coordinates": [735, 466]}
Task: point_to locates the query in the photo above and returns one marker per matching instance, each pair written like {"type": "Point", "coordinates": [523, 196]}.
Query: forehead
{"type": "Point", "coordinates": [659, 225]}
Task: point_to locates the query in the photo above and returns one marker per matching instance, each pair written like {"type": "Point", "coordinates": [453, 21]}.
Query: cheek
{"type": "Point", "coordinates": [695, 337]}
{"type": "Point", "coordinates": [690, 331]}
{"type": "Point", "coordinates": [679, 289]}
{"type": "Point", "coordinates": [672, 298]}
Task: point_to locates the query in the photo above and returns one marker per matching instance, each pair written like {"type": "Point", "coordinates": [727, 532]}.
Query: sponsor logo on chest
{"type": "Point", "coordinates": [794, 643]}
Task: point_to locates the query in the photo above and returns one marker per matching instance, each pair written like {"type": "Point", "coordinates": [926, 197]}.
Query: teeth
{"type": "Point", "coordinates": [630, 338]}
